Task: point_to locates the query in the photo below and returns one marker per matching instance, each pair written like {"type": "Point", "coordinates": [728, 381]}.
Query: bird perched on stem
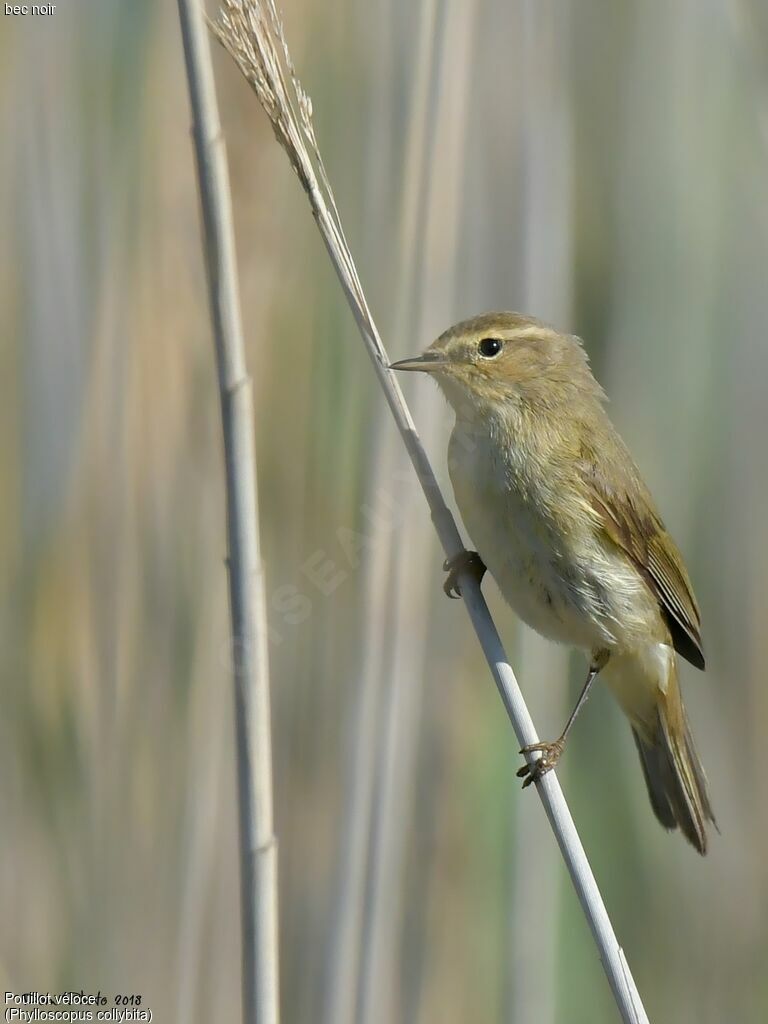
{"type": "Point", "coordinates": [562, 519]}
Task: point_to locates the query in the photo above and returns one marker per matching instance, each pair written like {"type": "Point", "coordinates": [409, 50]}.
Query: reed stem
{"type": "Point", "coordinates": [252, 33]}
{"type": "Point", "coordinates": [258, 848]}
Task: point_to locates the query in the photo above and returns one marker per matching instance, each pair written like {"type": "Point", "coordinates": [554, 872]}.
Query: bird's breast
{"type": "Point", "coordinates": [548, 562]}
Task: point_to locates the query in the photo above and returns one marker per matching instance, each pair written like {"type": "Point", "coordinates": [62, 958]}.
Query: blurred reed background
{"type": "Point", "coordinates": [602, 166]}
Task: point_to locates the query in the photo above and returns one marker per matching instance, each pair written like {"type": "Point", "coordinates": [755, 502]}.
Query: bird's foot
{"type": "Point", "coordinates": [465, 561]}
{"type": "Point", "coordinates": [532, 771]}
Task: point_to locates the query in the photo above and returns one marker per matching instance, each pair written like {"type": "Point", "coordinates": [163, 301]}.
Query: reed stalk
{"type": "Point", "coordinates": [258, 849]}
{"type": "Point", "coordinates": [251, 31]}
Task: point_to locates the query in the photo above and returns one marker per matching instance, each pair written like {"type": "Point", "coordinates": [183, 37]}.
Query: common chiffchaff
{"type": "Point", "coordinates": [560, 516]}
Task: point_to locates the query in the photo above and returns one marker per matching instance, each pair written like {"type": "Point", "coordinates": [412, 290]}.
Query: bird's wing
{"type": "Point", "coordinates": [628, 517]}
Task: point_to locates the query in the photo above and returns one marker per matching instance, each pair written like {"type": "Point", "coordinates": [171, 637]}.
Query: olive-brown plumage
{"type": "Point", "coordinates": [560, 516]}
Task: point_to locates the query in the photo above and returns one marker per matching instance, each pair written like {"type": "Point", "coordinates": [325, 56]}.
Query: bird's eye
{"type": "Point", "coordinates": [489, 347]}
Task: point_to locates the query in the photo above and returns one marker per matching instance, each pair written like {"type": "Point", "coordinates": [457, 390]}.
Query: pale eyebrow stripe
{"type": "Point", "coordinates": [532, 330]}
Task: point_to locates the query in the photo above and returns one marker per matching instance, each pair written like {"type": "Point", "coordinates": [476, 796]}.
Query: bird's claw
{"type": "Point", "coordinates": [532, 771]}
{"type": "Point", "coordinates": [465, 561]}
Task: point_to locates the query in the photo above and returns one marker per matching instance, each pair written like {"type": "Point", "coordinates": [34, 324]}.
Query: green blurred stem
{"type": "Point", "coordinates": [258, 851]}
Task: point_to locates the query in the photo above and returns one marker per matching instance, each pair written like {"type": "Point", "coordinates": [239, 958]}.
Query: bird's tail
{"type": "Point", "coordinates": [673, 773]}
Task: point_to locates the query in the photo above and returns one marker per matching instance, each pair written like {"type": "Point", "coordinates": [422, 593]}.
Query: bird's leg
{"type": "Point", "coordinates": [465, 561]}
{"type": "Point", "coordinates": [551, 752]}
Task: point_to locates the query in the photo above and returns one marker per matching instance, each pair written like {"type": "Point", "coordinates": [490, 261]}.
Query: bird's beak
{"type": "Point", "coordinates": [427, 363]}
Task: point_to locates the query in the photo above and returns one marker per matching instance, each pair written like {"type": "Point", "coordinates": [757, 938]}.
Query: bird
{"type": "Point", "coordinates": [560, 516]}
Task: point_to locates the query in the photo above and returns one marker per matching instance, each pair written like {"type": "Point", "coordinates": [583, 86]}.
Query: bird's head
{"type": "Point", "coordinates": [505, 358]}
